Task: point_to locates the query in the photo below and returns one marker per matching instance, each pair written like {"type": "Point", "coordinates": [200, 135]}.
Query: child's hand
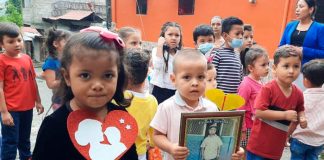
{"type": "Point", "coordinates": [161, 42]}
{"type": "Point", "coordinates": [39, 108]}
{"type": "Point", "coordinates": [7, 119]}
{"type": "Point", "coordinates": [291, 115]}
{"type": "Point", "coordinates": [238, 155]}
{"type": "Point", "coordinates": [303, 122]}
{"type": "Point", "coordinates": [178, 152]}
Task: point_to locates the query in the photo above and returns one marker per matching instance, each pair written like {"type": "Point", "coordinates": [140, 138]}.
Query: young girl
{"type": "Point", "coordinates": [247, 44]}
{"type": "Point", "coordinates": [92, 75]}
{"type": "Point", "coordinates": [131, 36]}
{"type": "Point", "coordinates": [257, 63]}
{"type": "Point", "coordinates": [169, 43]}
{"type": "Point", "coordinates": [55, 42]}
{"type": "Point", "coordinates": [211, 76]}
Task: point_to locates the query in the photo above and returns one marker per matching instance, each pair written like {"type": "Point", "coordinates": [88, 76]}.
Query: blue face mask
{"type": "Point", "coordinates": [236, 43]}
{"type": "Point", "coordinates": [204, 48]}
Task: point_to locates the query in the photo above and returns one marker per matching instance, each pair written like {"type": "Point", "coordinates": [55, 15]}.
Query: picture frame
{"type": "Point", "coordinates": [211, 135]}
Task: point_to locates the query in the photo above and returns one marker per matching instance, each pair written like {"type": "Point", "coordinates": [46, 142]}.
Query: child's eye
{"type": "Point", "coordinates": [186, 77]}
{"type": "Point", "coordinates": [201, 77]}
{"type": "Point", "coordinates": [109, 76]}
{"type": "Point", "coordinates": [296, 66]}
{"type": "Point", "coordinates": [85, 75]}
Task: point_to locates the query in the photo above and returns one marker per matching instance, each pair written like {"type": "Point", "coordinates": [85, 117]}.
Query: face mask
{"type": "Point", "coordinates": [204, 48]}
{"type": "Point", "coordinates": [236, 43]}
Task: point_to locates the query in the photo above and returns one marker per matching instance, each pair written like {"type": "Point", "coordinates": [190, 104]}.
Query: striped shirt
{"type": "Point", "coordinates": [229, 70]}
{"type": "Point", "coordinates": [314, 133]}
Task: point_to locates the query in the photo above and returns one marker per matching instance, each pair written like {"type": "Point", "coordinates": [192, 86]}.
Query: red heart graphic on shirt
{"type": "Point", "coordinates": [107, 140]}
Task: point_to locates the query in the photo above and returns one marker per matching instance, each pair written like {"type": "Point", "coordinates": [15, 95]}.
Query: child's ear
{"type": "Point", "coordinates": [66, 77]}
{"type": "Point", "coordinates": [196, 46]}
{"type": "Point", "coordinates": [250, 68]}
{"type": "Point", "coordinates": [172, 77]}
{"type": "Point", "coordinates": [55, 44]}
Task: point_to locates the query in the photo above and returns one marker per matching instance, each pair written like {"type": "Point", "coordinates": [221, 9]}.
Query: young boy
{"type": "Point", "coordinates": [189, 72]}
{"type": "Point", "coordinates": [18, 94]}
{"type": "Point", "coordinates": [211, 145]}
{"type": "Point", "coordinates": [144, 105]}
{"type": "Point", "coordinates": [227, 63]}
{"type": "Point", "coordinates": [204, 39]}
{"type": "Point", "coordinates": [278, 103]}
{"type": "Point", "coordinates": [309, 142]}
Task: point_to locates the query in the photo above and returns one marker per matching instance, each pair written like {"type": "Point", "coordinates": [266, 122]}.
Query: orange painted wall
{"type": "Point", "coordinates": [268, 17]}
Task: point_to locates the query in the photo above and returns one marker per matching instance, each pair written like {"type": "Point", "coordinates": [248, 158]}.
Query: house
{"type": "Point", "coordinates": [268, 17]}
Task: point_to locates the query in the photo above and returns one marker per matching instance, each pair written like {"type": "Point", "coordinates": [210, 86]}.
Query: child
{"type": "Point", "coordinates": [131, 37]}
{"type": "Point", "coordinates": [257, 63]}
{"type": "Point", "coordinates": [309, 142]}
{"type": "Point", "coordinates": [18, 94]}
{"type": "Point", "coordinates": [189, 73]}
{"type": "Point", "coordinates": [278, 103]}
{"type": "Point", "coordinates": [169, 43]}
{"type": "Point", "coordinates": [227, 63]}
{"type": "Point", "coordinates": [211, 82]}
{"type": "Point", "coordinates": [247, 44]}
{"type": "Point", "coordinates": [55, 42]}
{"type": "Point", "coordinates": [204, 39]}
{"type": "Point", "coordinates": [211, 145]}
{"type": "Point", "coordinates": [216, 24]}
{"type": "Point", "coordinates": [92, 75]}
{"type": "Point", "coordinates": [143, 105]}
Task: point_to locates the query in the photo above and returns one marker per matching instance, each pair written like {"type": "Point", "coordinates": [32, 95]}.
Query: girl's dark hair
{"type": "Point", "coordinates": [8, 29]}
{"type": "Point", "coordinates": [164, 28]}
{"type": "Point", "coordinates": [124, 32]}
{"type": "Point", "coordinates": [77, 46]}
{"type": "Point", "coordinates": [310, 4]}
{"type": "Point", "coordinates": [253, 54]}
{"type": "Point", "coordinates": [53, 35]}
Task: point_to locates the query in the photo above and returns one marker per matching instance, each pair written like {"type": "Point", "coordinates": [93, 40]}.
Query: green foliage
{"type": "Point", "coordinates": [13, 12]}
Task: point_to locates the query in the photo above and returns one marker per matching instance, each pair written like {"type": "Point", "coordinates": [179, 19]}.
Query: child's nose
{"type": "Point", "coordinates": [97, 86]}
{"type": "Point", "coordinates": [194, 82]}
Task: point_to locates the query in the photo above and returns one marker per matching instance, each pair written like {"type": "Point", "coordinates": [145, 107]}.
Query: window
{"type": "Point", "coordinates": [141, 6]}
{"type": "Point", "coordinates": [186, 7]}
{"type": "Point", "coordinates": [26, 3]}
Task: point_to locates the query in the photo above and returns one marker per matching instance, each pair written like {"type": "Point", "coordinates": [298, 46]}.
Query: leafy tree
{"type": "Point", "coordinates": [13, 12]}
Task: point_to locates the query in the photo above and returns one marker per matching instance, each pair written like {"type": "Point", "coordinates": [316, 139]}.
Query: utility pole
{"type": "Point", "coordinates": [108, 13]}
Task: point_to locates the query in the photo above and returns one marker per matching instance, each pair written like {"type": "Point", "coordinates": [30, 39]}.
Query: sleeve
{"type": "Point", "coordinates": [300, 105]}
{"type": "Point", "coordinates": [203, 144]}
{"type": "Point", "coordinates": [158, 63]}
{"type": "Point", "coordinates": [244, 91]}
{"type": "Point", "coordinates": [216, 60]}
{"type": "Point", "coordinates": [161, 120]}
{"type": "Point", "coordinates": [45, 141]}
{"type": "Point", "coordinates": [2, 70]}
{"type": "Point", "coordinates": [285, 35]}
{"type": "Point", "coordinates": [49, 64]}
{"type": "Point", "coordinates": [313, 53]}
{"type": "Point", "coordinates": [262, 101]}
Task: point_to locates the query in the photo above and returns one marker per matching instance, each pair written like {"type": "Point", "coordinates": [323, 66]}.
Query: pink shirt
{"type": "Point", "coordinates": [248, 89]}
{"type": "Point", "coordinates": [168, 115]}
{"type": "Point", "coordinates": [314, 133]}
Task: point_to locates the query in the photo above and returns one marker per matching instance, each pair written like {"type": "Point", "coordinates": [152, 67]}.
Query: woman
{"type": "Point", "coordinates": [305, 34]}
{"type": "Point", "coordinates": [216, 24]}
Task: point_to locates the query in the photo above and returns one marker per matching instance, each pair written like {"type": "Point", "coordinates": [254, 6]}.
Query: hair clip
{"type": "Point", "coordinates": [210, 59]}
{"type": "Point", "coordinates": [106, 35]}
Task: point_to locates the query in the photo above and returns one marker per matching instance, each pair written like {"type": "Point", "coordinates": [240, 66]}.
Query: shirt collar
{"type": "Point", "coordinates": [179, 101]}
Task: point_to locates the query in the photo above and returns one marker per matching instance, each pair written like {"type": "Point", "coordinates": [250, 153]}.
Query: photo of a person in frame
{"type": "Point", "coordinates": [211, 145]}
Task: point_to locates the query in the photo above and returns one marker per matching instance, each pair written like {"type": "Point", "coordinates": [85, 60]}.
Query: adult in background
{"type": "Point", "coordinates": [305, 34]}
{"type": "Point", "coordinates": [216, 24]}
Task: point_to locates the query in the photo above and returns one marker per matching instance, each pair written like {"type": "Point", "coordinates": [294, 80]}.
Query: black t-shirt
{"type": "Point", "coordinates": [53, 141]}
{"type": "Point", "coordinates": [298, 37]}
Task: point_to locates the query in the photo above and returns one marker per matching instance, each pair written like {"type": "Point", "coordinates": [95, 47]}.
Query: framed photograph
{"type": "Point", "coordinates": [211, 135]}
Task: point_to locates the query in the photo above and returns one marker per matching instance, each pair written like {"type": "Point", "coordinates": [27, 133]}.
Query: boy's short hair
{"type": "Point", "coordinates": [137, 63]}
{"type": "Point", "coordinates": [314, 72]}
{"type": "Point", "coordinates": [285, 52]}
{"type": "Point", "coordinates": [229, 22]}
{"type": "Point", "coordinates": [247, 27]}
{"type": "Point", "coordinates": [8, 29]}
{"type": "Point", "coordinates": [202, 30]}
{"type": "Point", "coordinates": [189, 53]}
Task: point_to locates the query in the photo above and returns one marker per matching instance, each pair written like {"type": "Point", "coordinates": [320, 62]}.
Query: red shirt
{"type": "Point", "coordinates": [265, 140]}
{"type": "Point", "coordinates": [19, 85]}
